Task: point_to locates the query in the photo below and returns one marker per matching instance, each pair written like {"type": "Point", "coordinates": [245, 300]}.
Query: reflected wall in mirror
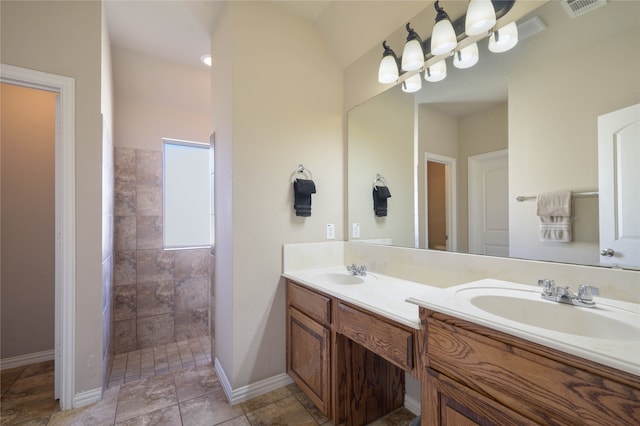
{"type": "Point", "coordinates": [538, 104]}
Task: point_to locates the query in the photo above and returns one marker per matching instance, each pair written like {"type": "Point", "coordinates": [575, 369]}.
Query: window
{"type": "Point", "coordinates": [186, 194]}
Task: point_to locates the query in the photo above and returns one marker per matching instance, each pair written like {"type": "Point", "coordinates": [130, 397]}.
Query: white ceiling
{"type": "Point", "coordinates": [180, 30]}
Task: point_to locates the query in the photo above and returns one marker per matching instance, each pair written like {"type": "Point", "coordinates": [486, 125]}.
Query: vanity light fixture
{"type": "Point", "coordinates": [436, 72]}
{"type": "Point", "coordinates": [412, 84]}
{"type": "Point", "coordinates": [412, 55]}
{"type": "Point", "coordinates": [388, 71]}
{"type": "Point", "coordinates": [443, 36]}
{"type": "Point", "coordinates": [479, 22]}
{"type": "Point", "coordinates": [503, 39]}
{"type": "Point", "coordinates": [480, 18]}
{"type": "Point", "coordinates": [466, 57]}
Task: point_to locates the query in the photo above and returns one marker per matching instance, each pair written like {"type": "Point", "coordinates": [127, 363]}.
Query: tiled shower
{"type": "Point", "coordinates": [160, 296]}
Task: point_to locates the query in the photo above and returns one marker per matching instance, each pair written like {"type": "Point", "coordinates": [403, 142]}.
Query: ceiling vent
{"type": "Point", "coordinates": [580, 7]}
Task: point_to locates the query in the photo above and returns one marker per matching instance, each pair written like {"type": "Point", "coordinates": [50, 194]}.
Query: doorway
{"type": "Point", "coordinates": [63, 90]}
{"type": "Point", "coordinates": [440, 202]}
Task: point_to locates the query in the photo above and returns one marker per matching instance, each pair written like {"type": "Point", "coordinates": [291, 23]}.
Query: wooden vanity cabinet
{"type": "Point", "coordinates": [350, 362]}
{"type": "Point", "coordinates": [309, 344]}
{"type": "Point", "coordinates": [473, 375]}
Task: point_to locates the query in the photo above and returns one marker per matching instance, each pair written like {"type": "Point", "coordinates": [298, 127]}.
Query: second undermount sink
{"type": "Point", "coordinates": [526, 307]}
{"type": "Point", "coordinates": [338, 278]}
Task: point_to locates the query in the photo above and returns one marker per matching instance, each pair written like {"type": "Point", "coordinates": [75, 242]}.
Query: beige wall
{"type": "Point", "coordinates": [28, 220]}
{"type": "Point", "coordinates": [157, 99]}
{"type": "Point", "coordinates": [380, 134]}
{"type": "Point", "coordinates": [268, 119]}
{"type": "Point", "coordinates": [64, 38]}
{"type": "Point", "coordinates": [553, 110]}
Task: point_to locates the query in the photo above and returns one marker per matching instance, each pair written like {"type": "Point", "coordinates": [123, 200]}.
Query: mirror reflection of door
{"type": "Point", "coordinates": [440, 202]}
{"type": "Point", "coordinates": [489, 204]}
{"type": "Point", "coordinates": [618, 175]}
{"type": "Point", "coordinates": [437, 205]}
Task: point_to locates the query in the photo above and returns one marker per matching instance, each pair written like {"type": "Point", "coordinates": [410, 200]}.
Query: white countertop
{"type": "Point", "coordinates": [399, 300]}
{"type": "Point", "coordinates": [378, 293]}
{"type": "Point", "coordinates": [620, 353]}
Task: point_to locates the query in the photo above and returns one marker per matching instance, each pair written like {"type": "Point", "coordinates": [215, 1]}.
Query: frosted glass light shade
{"type": "Point", "coordinates": [436, 72]}
{"type": "Point", "coordinates": [466, 57]}
{"type": "Point", "coordinates": [412, 56]}
{"type": "Point", "coordinates": [388, 71]}
{"type": "Point", "coordinates": [412, 84]}
{"type": "Point", "coordinates": [504, 39]}
{"type": "Point", "coordinates": [443, 38]}
{"type": "Point", "coordinates": [480, 18]}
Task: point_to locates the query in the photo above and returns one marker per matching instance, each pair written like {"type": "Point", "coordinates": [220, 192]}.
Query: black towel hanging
{"type": "Point", "coordinates": [380, 195]}
{"type": "Point", "coordinates": [302, 190]}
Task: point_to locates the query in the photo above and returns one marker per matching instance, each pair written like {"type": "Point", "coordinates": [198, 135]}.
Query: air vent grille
{"type": "Point", "coordinates": [580, 7]}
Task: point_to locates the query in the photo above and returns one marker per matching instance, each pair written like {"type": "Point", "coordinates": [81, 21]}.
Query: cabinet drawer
{"type": "Point", "coordinates": [315, 305]}
{"type": "Point", "coordinates": [391, 342]}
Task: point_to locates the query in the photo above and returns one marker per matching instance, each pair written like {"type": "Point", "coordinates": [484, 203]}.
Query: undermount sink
{"type": "Point", "coordinates": [338, 278]}
{"type": "Point", "coordinates": [526, 307]}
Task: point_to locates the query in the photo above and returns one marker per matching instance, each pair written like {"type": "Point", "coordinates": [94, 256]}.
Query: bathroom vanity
{"type": "Point", "coordinates": [349, 358]}
{"type": "Point", "coordinates": [486, 352]}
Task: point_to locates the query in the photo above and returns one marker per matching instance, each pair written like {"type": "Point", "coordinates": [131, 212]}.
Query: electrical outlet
{"type": "Point", "coordinates": [355, 230]}
{"type": "Point", "coordinates": [331, 231]}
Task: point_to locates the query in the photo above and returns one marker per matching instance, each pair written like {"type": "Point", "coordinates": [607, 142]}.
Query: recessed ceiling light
{"type": "Point", "coordinates": [206, 59]}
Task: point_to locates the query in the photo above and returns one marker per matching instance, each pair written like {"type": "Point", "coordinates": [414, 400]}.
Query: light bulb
{"type": "Point", "coordinates": [504, 38]}
{"type": "Point", "coordinates": [388, 71]}
{"type": "Point", "coordinates": [480, 18]}
{"type": "Point", "coordinates": [466, 57]}
{"type": "Point", "coordinates": [436, 72]}
{"type": "Point", "coordinates": [443, 38]}
{"type": "Point", "coordinates": [412, 84]}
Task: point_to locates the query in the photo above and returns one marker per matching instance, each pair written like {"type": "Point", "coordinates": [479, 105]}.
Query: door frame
{"type": "Point", "coordinates": [451, 197]}
{"type": "Point", "coordinates": [65, 218]}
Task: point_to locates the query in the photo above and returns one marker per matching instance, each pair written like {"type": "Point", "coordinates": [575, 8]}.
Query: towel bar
{"type": "Point", "coordinates": [575, 194]}
{"type": "Point", "coordinates": [301, 169]}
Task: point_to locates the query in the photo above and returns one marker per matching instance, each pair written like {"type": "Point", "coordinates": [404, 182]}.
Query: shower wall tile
{"type": "Point", "coordinates": [125, 198]}
{"type": "Point", "coordinates": [149, 232]}
{"type": "Point", "coordinates": [125, 302]}
{"type": "Point", "coordinates": [148, 199]}
{"type": "Point", "coordinates": [149, 167]}
{"type": "Point", "coordinates": [155, 330]}
{"type": "Point", "coordinates": [154, 265]}
{"type": "Point", "coordinates": [125, 335]}
{"type": "Point", "coordinates": [160, 296]}
{"type": "Point", "coordinates": [192, 263]}
{"type": "Point", "coordinates": [125, 164]}
{"type": "Point", "coordinates": [124, 233]}
{"type": "Point", "coordinates": [192, 293]}
{"type": "Point", "coordinates": [124, 269]}
{"type": "Point", "coordinates": [192, 324]}
{"type": "Point", "coordinates": [155, 298]}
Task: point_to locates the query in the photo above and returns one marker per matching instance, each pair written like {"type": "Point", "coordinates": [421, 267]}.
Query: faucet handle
{"type": "Point", "coordinates": [548, 285]}
{"type": "Point", "coordinates": [586, 292]}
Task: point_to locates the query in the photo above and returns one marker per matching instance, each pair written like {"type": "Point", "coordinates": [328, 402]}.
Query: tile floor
{"type": "Point", "coordinates": [186, 395]}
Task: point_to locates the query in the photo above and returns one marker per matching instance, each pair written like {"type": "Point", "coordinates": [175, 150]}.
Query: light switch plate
{"type": "Point", "coordinates": [355, 230]}
{"type": "Point", "coordinates": [331, 231]}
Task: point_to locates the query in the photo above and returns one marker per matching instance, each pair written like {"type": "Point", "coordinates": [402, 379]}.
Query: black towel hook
{"type": "Point", "coordinates": [301, 169]}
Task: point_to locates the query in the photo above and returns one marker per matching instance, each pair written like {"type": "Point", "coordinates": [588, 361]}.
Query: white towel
{"type": "Point", "coordinates": [554, 210]}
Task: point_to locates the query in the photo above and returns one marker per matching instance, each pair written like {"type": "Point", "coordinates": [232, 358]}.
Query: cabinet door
{"type": "Point", "coordinates": [448, 403]}
{"type": "Point", "coordinates": [308, 357]}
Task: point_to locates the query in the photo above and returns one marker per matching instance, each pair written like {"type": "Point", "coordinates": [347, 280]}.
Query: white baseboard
{"type": "Point", "coordinates": [412, 405]}
{"type": "Point", "coordinates": [85, 398]}
{"type": "Point", "coordinates": [26, 359]}
{"type": "Point", "coordinates": [245, 393]}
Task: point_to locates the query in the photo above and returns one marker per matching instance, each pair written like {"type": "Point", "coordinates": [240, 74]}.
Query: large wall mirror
{"type": "Point", "coordinates": [457, 154]}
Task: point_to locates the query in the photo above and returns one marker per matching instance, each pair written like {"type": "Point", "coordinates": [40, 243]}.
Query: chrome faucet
{"type": "Point", "coordinates": [357, 270]}
{"type": "Point", "coordinates": [550, 291]}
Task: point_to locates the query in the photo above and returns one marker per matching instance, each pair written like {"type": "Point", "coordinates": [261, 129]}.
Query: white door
{"type": "Point", "coordinates": [619, 186]}
{"type": "Point", "coordinates": [489, 203]}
